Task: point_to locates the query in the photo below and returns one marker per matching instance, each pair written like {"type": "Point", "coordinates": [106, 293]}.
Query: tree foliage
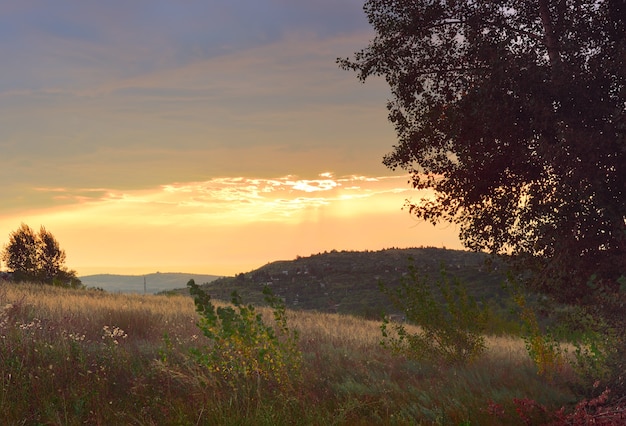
{"type": "Point", "coordinates": [512, 115]}
{"type": "Point", "coordinates": [37, 257]}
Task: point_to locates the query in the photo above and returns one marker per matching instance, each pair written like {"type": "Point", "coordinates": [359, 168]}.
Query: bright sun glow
{"type": "Point", "coordinates": [207, 137]}
{"type": "Point", "coordinates": [210, 226]}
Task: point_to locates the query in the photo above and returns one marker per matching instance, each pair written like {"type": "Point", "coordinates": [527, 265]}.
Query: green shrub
{"type": "Point", "coordinates": [543, 347]}
{"type": "Point", "coordinates": [596, 344]}
{"type": "Point", "coordinates": [450, 320]}
{"type": "Point", "coordinates": [593, 340]}
{"type": "Point", "coordinates": [245, 353]}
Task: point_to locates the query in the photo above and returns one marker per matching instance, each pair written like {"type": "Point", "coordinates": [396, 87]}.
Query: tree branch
{"type": "Point", "coordinates": [551, 39]}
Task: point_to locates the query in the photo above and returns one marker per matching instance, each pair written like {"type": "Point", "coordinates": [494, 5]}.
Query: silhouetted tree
{"type": "Point", "coordinates": [512, 114]}
{"type": "Point", "coordinates": [51, 257]}
{"type": "Point", "coordinates": [37, 257]}
{"type": "Point", "coordinates": [20, 255]}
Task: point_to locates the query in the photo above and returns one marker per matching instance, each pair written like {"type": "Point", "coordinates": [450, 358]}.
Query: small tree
{"type": "Point", "coordinates": [37, 257]}
{"type": "Point", "coordinates": [245, 353]}
{"type": "Point", "coordinates": [20, 254]}
{"type": "Point", "coordinates": [451, 322]}
{"type": "Point", "coordinates": [51, 257]}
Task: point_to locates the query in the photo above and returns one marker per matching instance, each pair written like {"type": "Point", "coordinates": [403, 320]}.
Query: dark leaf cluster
{"type": "Point", "coordinates": [512, 114]}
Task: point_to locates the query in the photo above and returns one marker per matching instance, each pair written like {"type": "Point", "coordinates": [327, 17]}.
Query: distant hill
{"type": "Point", "coordinates": [155, 283]}
{"type": "Point", "coordinates": [348, 281]}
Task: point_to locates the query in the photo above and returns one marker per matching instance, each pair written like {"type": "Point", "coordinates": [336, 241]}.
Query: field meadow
{"type": "Point", "coordinates": [70, 357]}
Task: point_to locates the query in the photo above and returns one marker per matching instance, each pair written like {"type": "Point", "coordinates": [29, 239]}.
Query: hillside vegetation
{"type": "Point", "coordinates": [348, 282]}
{"type": "Point", "coordinates": [86, 357]}
{"type": "Point", "coordinates": [82, 356]}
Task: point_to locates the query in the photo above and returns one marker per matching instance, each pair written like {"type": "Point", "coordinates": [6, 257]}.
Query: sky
{"type": "Point", "coordinates": [197, 136]}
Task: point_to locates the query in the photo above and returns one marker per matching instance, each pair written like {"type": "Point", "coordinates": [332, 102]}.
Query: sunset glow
{"type": "Point", "coordinates": [193, 138]}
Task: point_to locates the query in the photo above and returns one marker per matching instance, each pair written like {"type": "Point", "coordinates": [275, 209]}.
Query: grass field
{"type": "Point", "coordinates": [88, 357]}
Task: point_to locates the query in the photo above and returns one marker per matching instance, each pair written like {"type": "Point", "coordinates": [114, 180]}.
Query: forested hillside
{"type": "Point", "coordinates": [349, 281]}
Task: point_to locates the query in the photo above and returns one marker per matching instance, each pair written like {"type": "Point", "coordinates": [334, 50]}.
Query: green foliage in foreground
{"type": "Point", "coordinates": [244, 350]}
{"type": "Point", "coordinates": [451, 322]}
{"type": "Point", "coordinates": [590, 350]}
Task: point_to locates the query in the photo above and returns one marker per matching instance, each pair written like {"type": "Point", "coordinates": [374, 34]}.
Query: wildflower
{"type": "Point", "coordinates": [113, 334]}
{"type": "Point", "coordinates": [34, 324]}
{"type": "Point", "coordinates": [77, 337]}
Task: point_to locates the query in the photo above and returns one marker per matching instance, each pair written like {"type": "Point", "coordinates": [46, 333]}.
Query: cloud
{"type": "Point", "coordinates": [130, 39]}
{"type": "Point", "coordinates": [286, 103]}
{"type": "Point", "coordinates": [228, 224]}
{"type": "Point", "coordinates": [137, 128]}
{"type": "Point", "coordinates": [85, 107]}
{"type": "Point", "coordinates": [227, 199]}
{"type": "Point", "coordinates": [275, 199]}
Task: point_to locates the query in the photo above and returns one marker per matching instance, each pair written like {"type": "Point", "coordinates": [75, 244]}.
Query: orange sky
{"type": "Point", "coordinates": [205, 137]}
{"type": "Point", "coordinates": [228, 225]}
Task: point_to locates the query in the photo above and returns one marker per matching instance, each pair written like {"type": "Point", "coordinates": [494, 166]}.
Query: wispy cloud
{"type": "Point", "coordinates": [272, 108]}
{"type": "Point", "coordinates": [149, 132]}
{"type": "Point", "coordinates": [229, 199]}
{"type": "Point", "coordinates": [229, 222]}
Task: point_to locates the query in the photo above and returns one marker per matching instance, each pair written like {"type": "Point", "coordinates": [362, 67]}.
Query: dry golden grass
{"type": "Point", "coordinates": [339, 330]}
{"type": "Point", "coordinates": [348, 378]}
{"type": "Point", "coordinates": [506, 347]}
{"type": "Point", "coordinates": [60, 301]}
{"type": "Point", "coordinates": [358, 334]}
{"type": "Point", "coordinates": [152, 315]}
{"type": "Point", "coordinates": [142, 317]}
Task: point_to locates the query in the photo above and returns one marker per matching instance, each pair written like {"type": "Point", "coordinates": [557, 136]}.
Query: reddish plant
{"type": "Point", "coordinates": [599, 411]}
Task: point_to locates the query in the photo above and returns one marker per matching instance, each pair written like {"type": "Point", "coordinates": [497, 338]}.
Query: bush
{"type": "Point", "coordinates": [451, 321]}
{"type": "Point", "coordinates": [595, 343]}
{"type": "Point", "coordinates": [543, 347]}
{"type": "Point", "coordinates": [246, 354]}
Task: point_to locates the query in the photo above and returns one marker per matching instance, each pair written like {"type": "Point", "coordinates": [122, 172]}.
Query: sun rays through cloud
{"type": "Point", "coordinates": [232, 199]}
{"type": "Point", "coordinates": [204, 137]}
{"type": "Point", "coordinates": [207, 225]}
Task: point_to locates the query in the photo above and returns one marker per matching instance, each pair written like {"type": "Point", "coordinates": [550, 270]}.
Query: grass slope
{"type": "Point", "coordinates": [76, 357]}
